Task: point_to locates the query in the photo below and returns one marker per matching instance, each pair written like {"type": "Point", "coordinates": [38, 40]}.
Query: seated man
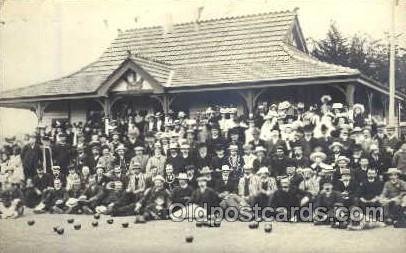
{"type": "Point", "coordinates": [393, 191]}
{"type": "Point", "coordinates": [265, 187]}
{"type": "Point", "coordinates": [327, 198]}
{"type": "Point", "coordinates": [155, 202]}
{"type": "Point", "coordinates": [72, 204]}
{"type": "Point", "coordinates": [91, 196]}
{"type": "Point", "coordinates": [247, 186]}
{"type": "Point", "coordinates": [182, 194]}
{"type": "Point", "coordinates": [54, 200]}
{"type": "Point", "coordinates": [136, 186]}
{"type": "Point", "coordinates": [310, 183]}
{"type": "Point", "coordinates": [227, 187]}
{"type": "Point", "coordinates": [112, 194]}
{"type": "Point", "coordinates": [11, 201]}
{"type": "Point", "coordinates": [204, 196]}
{"type": "Point", "coordinates": [347, 186]}
{"type": "Point", "coordinates": [370, 189]}
{"type": "Point", "coordinates": [285, 198]}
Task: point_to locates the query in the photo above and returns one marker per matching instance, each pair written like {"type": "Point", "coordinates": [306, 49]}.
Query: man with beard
{"type": "Point", "coordinates": [204, 196]}
{"type": "Point", "coordinates": [203, 158]}
{"type": "Point", "coordinates": [154, 205]}
{"type": "Point", "coordinates": [216, 141]}
{"type": "Point", "coordinates": [369, 190]}
{"type": "Point", "coordinates": [106, 160]}
{"type": "Point", "coordinates": [279, 162]}
{"type": "Point", "coordinates": [175, 159]}
{"type": "Point", "coordinates": [299, 159]}
{"type": "Point", "coordinates": [227, 187]}
{"type": "Point", "coordinates": [93, 158]}
{"type": "Point", "coordinates": [30, 156]}
{"type": "Point", "coordinates": [183, 192]}
{"type": "Point", "coordinates": [261, 160]}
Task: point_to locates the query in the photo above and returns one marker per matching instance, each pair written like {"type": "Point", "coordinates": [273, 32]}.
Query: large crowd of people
{"type": "Point", "coordinates": [283, 155]}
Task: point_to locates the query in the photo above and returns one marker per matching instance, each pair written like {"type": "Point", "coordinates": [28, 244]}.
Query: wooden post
{"type": "Point", "coordinates": [370, 95]}
{"type": "Point", "coordinates": [349, 94]}
{"type": "Point", "coordinates": [165, 100]}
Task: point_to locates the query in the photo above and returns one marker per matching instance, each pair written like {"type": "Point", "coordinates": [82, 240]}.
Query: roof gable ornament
{"type": "Point", "coordinates": [133, 80]}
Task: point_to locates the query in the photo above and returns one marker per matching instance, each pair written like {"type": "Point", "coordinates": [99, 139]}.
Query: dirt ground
{"type": "Point", "coordinates": [167, 236]}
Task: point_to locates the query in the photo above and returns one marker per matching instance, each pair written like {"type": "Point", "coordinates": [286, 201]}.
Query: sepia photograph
{"type": "Point", "coordinates": [202, 126]}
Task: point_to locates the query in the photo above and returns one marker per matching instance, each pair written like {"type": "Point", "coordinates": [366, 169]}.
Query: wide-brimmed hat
{"type": "Point", "coordinates": [202, 178]}
{"type": "Point", "coordinates": [314, 155]}
{"type": "Point", "coordinates": [327, 169]}
{"type": "Point", "coordinates": [337, 106]}
{"type": "Point", "coordinates": [120, 147]}
{"type": "Point", "coordinates": [233, 147]}
{"type": "Point", "coordinates": [326, 98]}
{"type": "Point", "coordinates": [260, 149]}
{"type": "Point", "coordinates": [182, 176]}
{"type": "Point", "coordinates": [206, 170]}
{"type": "Point", "coordinates": [173, 146]}
{"type": "Point", "coordinates": [158, 177]}
{"type": "Point", "coordinates": [185, 146]}
{"type": "Point", "coordinates": [345, 172]}
{"type": "Point", "coordinates": [343, 158]}
{"type": "Point", "coordinates": [336, 144]}
{"type": "Point", "coordinates": [225, 167]}
{"type": "Point", "coordinates": [392, 171]}
{"type": "Point", "coordinates": [284, 105]}
{"type": "Point", "coordinates": [359, 106]}
{"type": "Point", "coordinates": [263, 170]}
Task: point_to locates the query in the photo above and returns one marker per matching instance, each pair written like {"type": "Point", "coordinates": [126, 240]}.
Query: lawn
{"type": "Point", "coordinates": [167, 236]}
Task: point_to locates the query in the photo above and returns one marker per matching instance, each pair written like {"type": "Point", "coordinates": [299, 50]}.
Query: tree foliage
{"type": "Point", "coordinates": [362, 52]}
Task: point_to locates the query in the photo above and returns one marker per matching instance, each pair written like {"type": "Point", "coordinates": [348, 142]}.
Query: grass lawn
{"type": "Point", "coordinates": [167, 236]}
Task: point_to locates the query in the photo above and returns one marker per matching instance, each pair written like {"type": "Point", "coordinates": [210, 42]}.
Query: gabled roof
{"type": "Point", "coordinates": [222, 51]}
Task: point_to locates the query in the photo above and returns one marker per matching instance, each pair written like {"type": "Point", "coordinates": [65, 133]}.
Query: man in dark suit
{"type": "Point", "coordinates": [30, 156]}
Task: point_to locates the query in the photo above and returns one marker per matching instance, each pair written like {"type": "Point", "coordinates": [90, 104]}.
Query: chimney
{"type": "Point", "coordinates": [198, 16]}
{"type": "Point", "coordinates": [168, 27]}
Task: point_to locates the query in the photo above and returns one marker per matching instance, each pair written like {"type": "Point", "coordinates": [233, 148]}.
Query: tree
{"type": "Point", "coordinates": [361, 52]}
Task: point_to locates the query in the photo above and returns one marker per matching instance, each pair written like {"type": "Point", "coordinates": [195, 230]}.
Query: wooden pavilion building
{"type": "Point", "coordinates": [189, 66]}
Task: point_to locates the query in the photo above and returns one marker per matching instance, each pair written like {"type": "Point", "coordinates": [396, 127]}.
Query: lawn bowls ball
{"type": "Point", "coordinates": [30, 222]}
{"type": "Point", "coordinates": [60, 231]}
{"type": "Point", "coordinates": [125, 225]}
{"type": "Point", "coordinates": [96, 216]}
{"type": "Point", "coordinates": [189, 238]}
{"type": "Point", "coordinates": [95, 223]}
{"type": "Point", "coordinates": [110, 221]}
{"type": "Point", "coordinates": [268, 228]}
{"type": "Point", "coordinates": [77, 226]}
{"type": "Point", "coordinates": [70, 221]}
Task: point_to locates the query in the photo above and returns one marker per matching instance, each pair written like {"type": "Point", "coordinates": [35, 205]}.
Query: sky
{"type": "Point", "coordinates": [46, 39]}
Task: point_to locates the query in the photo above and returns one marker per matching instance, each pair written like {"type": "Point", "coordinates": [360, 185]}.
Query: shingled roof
{"type": "Point", "coordinates": [222, 51]}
